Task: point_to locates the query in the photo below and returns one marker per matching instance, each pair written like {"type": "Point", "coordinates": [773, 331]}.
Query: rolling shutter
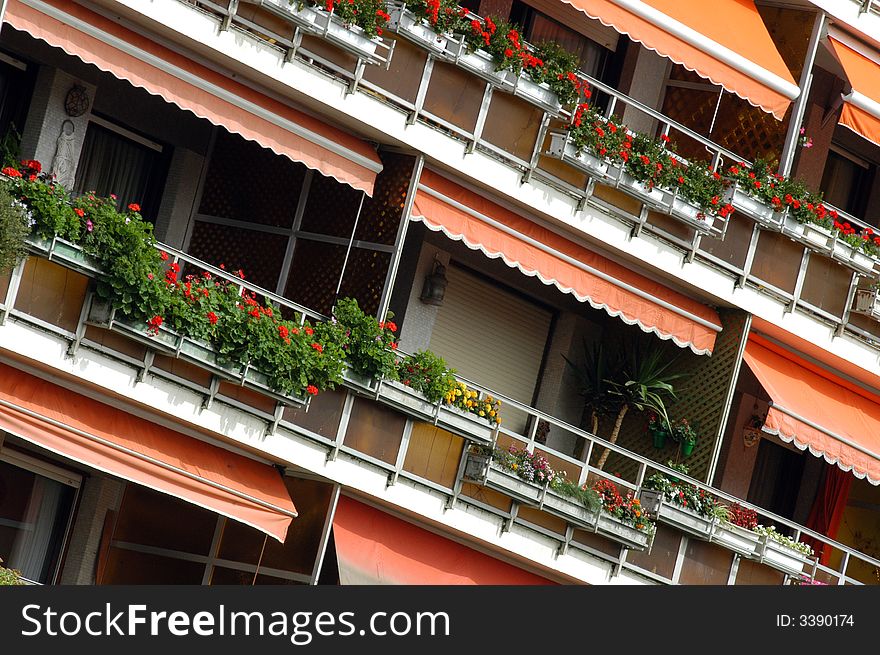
{"type": "Point", "coordinates": [492, 337]}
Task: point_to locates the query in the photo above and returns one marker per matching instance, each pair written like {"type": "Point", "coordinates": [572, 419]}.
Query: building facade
{"type": "Point", "coordinates": [575, 246]}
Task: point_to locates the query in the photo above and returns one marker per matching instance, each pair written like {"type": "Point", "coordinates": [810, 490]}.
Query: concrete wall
{"type": "Point", "coordinates": [644, 79]}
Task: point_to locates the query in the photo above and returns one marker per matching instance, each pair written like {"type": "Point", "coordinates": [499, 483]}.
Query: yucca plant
{"type": "Point", "coordinates": [644, 384]}
{"type": "Point", "coordinates": [594, 375]}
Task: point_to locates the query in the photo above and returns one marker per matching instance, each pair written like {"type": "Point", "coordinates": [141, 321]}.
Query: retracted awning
{"type": "Point", "coordinates": [861, 107]}
{"type": "Point", "coordinates": [134, 449]}
{"type": "Point", "coordinates": [463, 215]}
{"type": "Point", "coordinates": [724, 41]}
{"type": "Point", "coordinates": [817, 410]}
{"type": "Point", "coordinates": [373, 547]}
{"type": "Point", "coordinates": [208, 94]}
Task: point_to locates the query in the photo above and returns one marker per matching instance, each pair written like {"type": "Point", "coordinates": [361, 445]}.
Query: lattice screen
{"type": "Point", "coordinates": [314, 274]}
{"type": "Point", "coordinates": [250, 183]}
{"type": "Point", "coordinates": [381, 214]}
{"type": "Point", "coordinates": [331, 207]}
{"type": "Point", "coordinates": [364, 278]}
{"type": "Point", "coordinates": [701, 398]}
{"type": "Point", "coordinates": [748, 131]}
{"type": "Point", "coordinates": [258, 254]}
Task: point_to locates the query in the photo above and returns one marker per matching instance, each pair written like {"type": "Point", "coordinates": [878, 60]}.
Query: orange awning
{"type": "Point", "coordinates": [208, 94]}
{"type": "Point", "coordinates": [134, 449]}
{"type": "Point", "coordinates": [373, 547]}
{"type": "Point", "coordinates": [815, 409]}
{"type": "Point", "coordinates": [480, 224]}
{"type": "Point", "coordinates": [724, 41]}
{"type": "Point", "coordinates": [861, 107]}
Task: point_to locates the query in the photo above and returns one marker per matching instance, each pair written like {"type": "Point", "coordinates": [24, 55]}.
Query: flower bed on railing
{"type": "Point", "coordinates": [529, 478]}
{"type": "Point", "coordinates": [213, 319]}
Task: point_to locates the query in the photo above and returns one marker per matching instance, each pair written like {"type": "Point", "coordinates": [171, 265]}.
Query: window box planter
{"type": "Point", "coordinates": [204, 355]}
{"type": "Point", "coordinates": [684, 210]}
{"type": "Point", "coordinates": [351, 37]}
{"type": "Point", "coordinates": [407, 399]}
{"type": "Point", "coordinates": [64, 252]}
{"type": "Point", "coordinates": [569, 509]}
{"type": "Point", "coordinates": [782, 557]}
{"type": "Point", "coordinates": [654, 197]}
{"type": "Point", "coordinates": [481, 64]}
{"type": "Point", "coordinates": [867, 302]}
{"type": "Point", "coordinates": [674, 514]}
{"type": "Point", "coordinates": [361, 383]}
{"type": "Point", "coordinates": [301, 15]}
{"type": "Point", "coordinates": [260, 381]}
{"type": "Point", "coordinates": [855, 258]}
{"type": "Point", "coordinates": [818, 237]}
{"type": "Point", "coordinates": [466, 424]}
{"type": "Point", "coordinates": [742, 541]}
{"type": "Point", "coordinates": [762, 213]}
{"type": "Point", "coordinates": [561, 148]}
{"type": "Point", "coordinates": [480, 469]}
{"type": "Point", "coordinates": [613, 528]}
{"type": "Point", "coordinates": [538, 94]}
{"type": "Point", "coordinates": [103, 314]}
{"type": "Point", "coordinates": [407, 24]}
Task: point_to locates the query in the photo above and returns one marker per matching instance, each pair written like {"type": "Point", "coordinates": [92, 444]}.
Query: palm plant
{"type": "Point", "coordinates": [644, 384]}
{"type": "Point", "coordinates": [594, 380]}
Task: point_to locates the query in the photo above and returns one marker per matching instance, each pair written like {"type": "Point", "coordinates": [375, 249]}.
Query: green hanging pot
{"type": "Point", "coordinates": [659, 437]}
{"type": "Point", "coordinates": [687, 448]}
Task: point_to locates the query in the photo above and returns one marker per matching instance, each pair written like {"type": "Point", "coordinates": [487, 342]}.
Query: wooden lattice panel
{"type": "Point", "coordinates": [314, 274]}
{"type": "Point", "coordinates": [702, 396]}
{"type": "Point", "coordinates": [258, 254]}
{"type": "Point", "coordinates": [381, 215]}
{"type": "Point", "coordinates": [746, 130]}
{"type": "Point", "coordinates": [249, 183]}
{"type": "Point", "coordinates": [364, 277]}
{"type": "Point", "coordinates": [330, 208]}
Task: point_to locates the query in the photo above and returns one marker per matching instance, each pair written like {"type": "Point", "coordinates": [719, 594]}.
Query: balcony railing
{"type": "Point", "coordinates": [780, 260]}
{"type": "Point", "coordinates": [343, 424]}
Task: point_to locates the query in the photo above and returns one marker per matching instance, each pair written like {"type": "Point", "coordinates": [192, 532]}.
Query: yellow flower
{"type": "Point", "coordinates": [482, 413]}
{"type": "Point", "coordinates": [492, 412]}
{"type": "Point", "coordinates": [458, 392]}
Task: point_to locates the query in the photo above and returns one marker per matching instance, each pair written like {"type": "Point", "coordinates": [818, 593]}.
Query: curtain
{"type": "Point", "coordinates": [590, 53]}
{"type": "Point", "coordinates": [34, 546]}
{"type": "Point", "coordinates": [110, 163]}
{"type": "Point", "coordinates": [828, 508]}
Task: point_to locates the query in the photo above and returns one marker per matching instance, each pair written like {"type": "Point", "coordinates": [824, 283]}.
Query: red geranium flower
{"type": "Point", "coordinates": [212, 318]}
{"type": "Point", "coordinates": [312, 390]}
{"type": "Point", "coordinates": [134, 207]}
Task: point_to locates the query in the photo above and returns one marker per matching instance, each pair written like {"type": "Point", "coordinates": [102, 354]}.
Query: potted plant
{"type": "Point", "coordinates": [370, 346]}
{"type": "Point", "coordinates": [469, 413]}
{"type": "Point", "coordinates": [735, 529]}
{"type": "Point", "coordinates": [14, 230]}
{"type": "Point", "coordinates": [658, 430]}
{"type": "Point", "coordinates": [622, 517]}
{"type": "Point", "coordinates": [685, 435]}
{"type": "Point", "coordinates": [423, 382]}
{"type": "Point", "coordinates": [430, 23]}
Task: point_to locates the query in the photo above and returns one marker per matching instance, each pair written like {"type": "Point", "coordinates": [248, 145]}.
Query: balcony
{"type": "Point", "coordinates": [754, 249]}
{"type": "Point", "coordinates": [388, 441]}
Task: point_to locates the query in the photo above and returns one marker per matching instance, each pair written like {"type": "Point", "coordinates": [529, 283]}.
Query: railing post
{"type": "Point", "coordinates": [786, 159]}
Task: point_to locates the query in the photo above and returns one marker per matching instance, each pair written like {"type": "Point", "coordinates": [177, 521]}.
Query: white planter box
{"type": "Point", "coordinates": [691, 214]}
{"type": "Point", "coordinates": [406, 399]}
{"type": "Point", "coordinates": [480, 63]}
{"type": "Point", "coordinates": [569, 509]}
{"type": "Point", "coordinates": [656, 197]}
{"type": "Point", "coordinates": [510, 484]}
{"type": "Point", "coordinates": [561, 148]}
{"type": "Point", "coordinates": [743, 202]}
{"type": "Point", "coordinates": [203, 354]}
{"type": "Point", "coordinates": [539, 94]}
{"type": "Point", "coordinates": [784, 558]}
{"type": "Point", "coordinates": [407, 24]}
{"type": "Point", "coordinates": [610, 527]}
{"type": "Point", "coordinates": [465, 424]}
{"type": "Point", "coordinates": [362, 383]}
{"type": "Point", "coordinates": [818, 236]}
{"type": "Point", "coordinates": [350, 36]}
{"type": "Point", "coordinates": [685, 519]}
{"type": "Point", "coordinates": [863, 261]}
{"type": "Point", "coordinates": [742, 541]}
{"type": "Point", "coordinates": [303, 16]}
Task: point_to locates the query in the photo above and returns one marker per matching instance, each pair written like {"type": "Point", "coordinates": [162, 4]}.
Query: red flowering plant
{"type": "Point", "coordinates": [369, 15]}
{"type": "Point", "coordinates": [427, 373]}
{"type": "Point", "coordinates": [602, 137]}
{"type": "Point", "coordinates": [626, 508]}
{"type": "Point", "coordinates": [559, 72]}
{"type": "Point", "coordinates": [47, 203]}
{"type": "Point", "coordinates": [649, 162]}
{"type": "Point", "coordinates": [742, 516]}
{"type": "Point", "coordinates": [369, 346]}
{"type": "Point", "coordinates": [444, 16]}
{"type": "Point", "coordinates": [700, 185]}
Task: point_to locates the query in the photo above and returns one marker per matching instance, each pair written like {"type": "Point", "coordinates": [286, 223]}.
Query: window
{"type": "Point", "coordinates": [117, 161]}
{"type": "Point", "coordinates": [16, 85]}
{"type": "Point", "coordinates": [36, 500]}
{"type": "Point", "coordinates": [846, 182]}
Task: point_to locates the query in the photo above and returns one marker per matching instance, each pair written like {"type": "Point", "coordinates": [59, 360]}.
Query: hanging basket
{"type": "Point", "coordinates": [687, 448]}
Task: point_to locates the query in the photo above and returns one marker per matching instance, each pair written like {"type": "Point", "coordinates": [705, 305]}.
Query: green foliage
{"type": "Point", "coordinates": [427, 373]}
{"type": "Point", "coordinates": [444, 16]}
{"type": "Point", "coordinates": [369, 15]}
{"type": "Point", "coordinates": [10, 147]}
{"type": "Point", "coordinates": [370, 345]}
{"type": "Point", "coordinates": [645, 380]}
{"type": "Point", "coordinates": [626, 509]}
{"type": "Point", "coordinates": [771, 532]}
{"type": "Point", "coordinates": [684, 494]}
{"type": "Point", "coordinates": [14, 229]}
{"type": "Point", "coordinates": [594, 378]}
{"type": "Point", "coordinates": [9, 577]}
{"type": "Point", "coordinates": [583, 494]}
